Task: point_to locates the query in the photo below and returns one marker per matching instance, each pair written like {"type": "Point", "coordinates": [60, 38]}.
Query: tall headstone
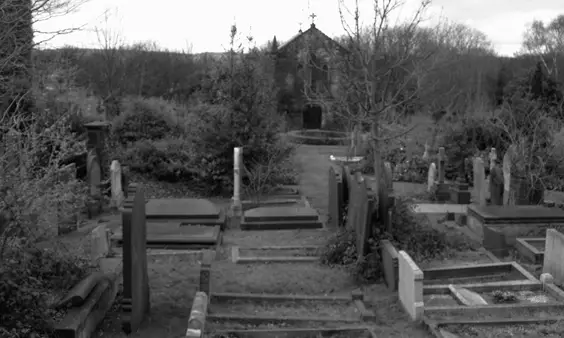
{"type": "Point", "coordinates": [431, 177]}
{"type": "Point", "coordinates": [97, 134]}
{"type": "Point", "coordinates": [442, 161]}
{"type": "Point", "coordinates": [237, 164]}
{"type": "Point", "coordinates": [426, 153]}
{"type": "Point", "coordinates": [496, 183]}
{"type": "Point", "coordinates": [492, 157]}
{"type": "Point", "coordinates": [480, 181]}
{"type": "Point", "coordinates": [117, 189]}
{"type": "Point", "coordinates": [507, 177]}
{"type": "Point", "coordinates": [136, 298]}
{"type": "Point", "coordinates": [94, 174]}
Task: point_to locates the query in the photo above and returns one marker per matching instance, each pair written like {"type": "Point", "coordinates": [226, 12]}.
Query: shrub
{"type": "Point", "coordinates": [168, 160]}
{"type": "Point", "coordinates": [317, 137]}
{"type": "Point", "coordinates": [144, 119]}
{"type": "Point", "coordinates": [409, 233]}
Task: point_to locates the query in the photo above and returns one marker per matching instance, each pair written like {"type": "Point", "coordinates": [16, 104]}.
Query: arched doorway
{"type": "Point", "coordinates": [312, 116]}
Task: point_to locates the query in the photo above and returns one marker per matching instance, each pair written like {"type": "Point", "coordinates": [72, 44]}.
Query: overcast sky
{"type": "Point", "coordinates": [204, 24]}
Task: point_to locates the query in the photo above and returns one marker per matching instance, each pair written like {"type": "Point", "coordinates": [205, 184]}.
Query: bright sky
{"type": "Point", "coordinates": [204, 24]}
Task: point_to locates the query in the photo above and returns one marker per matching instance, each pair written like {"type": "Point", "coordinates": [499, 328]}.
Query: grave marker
{"type": "Point", "coordinates": [335, 197]}
{"type": "Point", "coordinates": [94, 180]}
{"type": "Point", "coordinates": [136, 299]}
{"type": "Point", "coordinates": [507, 177]}
{"type": "Point", "coordinates": [496, 183]}
{"type": "Point", "coordinates": [442, 160]}
{"type": "Point", "coordinates": [553, 253]}
{"type": "Point", "coordinates": [117, 189]}
{"type": "Point", "coordinates": [431, 177]}
{"type": "Point", "coordinates": [493, 157]}
{"type": "Point", "coordinates": [480, 181]}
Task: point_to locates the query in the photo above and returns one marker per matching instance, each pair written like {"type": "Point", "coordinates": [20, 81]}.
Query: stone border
{"type": "Point", "coordinates": [434, 326]}
{"type": "Point", "coordinates": [528, 251]}
{"type": "Point", "coordinates": [356, 297]}
{"type": "Point", "coordinates": [237, 259]}
{"type": "Point", "coordinates": [82, 321]}
{"type": "Point", "coordinates": [257, 320]}
{"type": "Point", "coordinates": [354, 331]}
{"type": "Point", "coordinates": [198, 314]}
{"type": "Point", "coordinates": [528, 278]}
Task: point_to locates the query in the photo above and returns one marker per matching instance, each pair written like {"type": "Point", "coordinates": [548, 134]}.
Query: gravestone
{"type": "Point", "coordinates": [117, 189]}
{"type": "Point", "coordinates": [388, 176]}
{"type": "Point", "coordinates": [479, 181]}
{"type": "Point", "coordinates": [190, 210]}
{"type": "Point", "coordinates": [362, 204]}
{"type": "Point", "coordinates": [281, 218]}
{"type": "Point", "coordinates": [136, 298]}
{"type": "Point", "coordinates": [94, 180]}
{"type": "Point", "coordinates": [66, 221]}
{"type": "Point", "coordinates": [431, 177]}
{"type": "Point", "coordinates": [442, 165]}
{"type": "Point", "coordinates": [426, 152]}
{"type": "Point", "coordinates": [492, 157]}
{"type": "Point", "coordinates": [335, 197]}
{"type": "Point", "coordinates": [496, 184]}
{"type": "Point", "coordinates": [100, 244]}
{"type": "Point", "coordinates": [507, 176]}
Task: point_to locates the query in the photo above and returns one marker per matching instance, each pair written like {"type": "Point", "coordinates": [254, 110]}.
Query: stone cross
{"type": "Point", "coordinates": [117, 189]}
{"type": "Point", "coordinates": [442, 160]}
{"type": "Point", "coordinates": [480, 181]}
{"type": "Point", "coordinates": [312, 16]}
{"type": "Point", "coordinates": [431, 176]}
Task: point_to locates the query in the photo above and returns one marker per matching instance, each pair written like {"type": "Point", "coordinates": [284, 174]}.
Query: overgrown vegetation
{"type": "Point", "coordinates": [409, 232]}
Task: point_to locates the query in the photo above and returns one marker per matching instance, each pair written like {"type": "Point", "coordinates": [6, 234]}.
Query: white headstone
{"type": "Point", "coordinates": [94, 174]}
{"type": "Point", "coordinates": [117, 189]}
{"type": "Point", "coordinates": [507, 175]}
{"type": "Point", "coordinates": [493, 157]}
{"type": "Point", "coordinates": [431, 176]}
{"type": "Point", "coordinates": [480, 186]}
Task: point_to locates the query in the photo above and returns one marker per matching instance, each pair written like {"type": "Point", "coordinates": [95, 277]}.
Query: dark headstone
{"type": "Point", "coordinates": [136, 298]}
{"type": "Point", "coordinates": [97, 134]}
{"type": "Point", "coordinates": [362, 205]}
{"type": "Point", "coordinates": [495, 242]}
{"type": "Point", "coordinates": [496, 185]}
{"type": "Point", "coordinates": [335, 197]}
{"type": "Point", "coordinates": [389, 264]}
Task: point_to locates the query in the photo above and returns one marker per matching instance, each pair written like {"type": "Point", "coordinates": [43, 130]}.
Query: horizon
{"type": "Point", "coordinates": [207, 31]}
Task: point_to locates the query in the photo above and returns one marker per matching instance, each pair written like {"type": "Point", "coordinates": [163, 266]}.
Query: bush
{"type": "Point", "coordinates": [144, 119]}
{"type": "Point", "coordinates": [410, 233]}
{"type": "Point", "coordinates": [317, 137]}
{"type": "Point", "coordinates": [168, 160]}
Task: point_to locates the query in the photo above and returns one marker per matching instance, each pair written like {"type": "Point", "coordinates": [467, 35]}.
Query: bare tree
{"type": "Point", "coordinates": [546, 41]}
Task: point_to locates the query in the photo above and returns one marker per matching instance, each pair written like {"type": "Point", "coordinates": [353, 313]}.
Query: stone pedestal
{"type": "Point", "coordinates": [459, 193]}
{"type": "Point", "coordinates": [443, 192]}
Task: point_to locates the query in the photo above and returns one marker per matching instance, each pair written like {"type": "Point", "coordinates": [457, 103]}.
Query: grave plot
{"type": "Point", "coordinates": [281, 218]}
{"type": "Point", "coordinates": [173, 236]}
{"type": "Point", "coordinates": [488, 300]}
{"type": "Point", "coordinates": [229, 311]}
{"type": "Point", "coordinates": [523, 327]}
{"type": "Point", "coordinates": [271, 254]}
{"type": "Point", "coordinates": [531, 249]}
{"type": "Point", "coordinates": [499, 227]}
{"type": "Point", "coordinates": [189, 211]}
{"type": "Point", "coordinates": [466, 269]}
{"type": "Point", "coordinates": [338, 332]}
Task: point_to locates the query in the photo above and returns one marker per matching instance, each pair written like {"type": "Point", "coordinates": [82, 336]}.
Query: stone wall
{"type": "Point", "coordinates": [410, 286]}
{"type": "Point", "coordinates": [553, 255]}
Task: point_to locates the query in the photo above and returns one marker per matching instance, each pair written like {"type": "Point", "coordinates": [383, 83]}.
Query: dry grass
{"type": "Point", "coordinates": [534, 331]}
{"type": "Point", "coordinates": [173, 282]}
{"type": "Point", "coordinates": [336, 310]}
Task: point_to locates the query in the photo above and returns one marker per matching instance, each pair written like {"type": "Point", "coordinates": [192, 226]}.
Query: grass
{"type": "Point", "coordinates": [531, 330]}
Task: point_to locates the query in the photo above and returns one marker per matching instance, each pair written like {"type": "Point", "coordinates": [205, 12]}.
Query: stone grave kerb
{"type": "Point", "coordinates": [136, 297]}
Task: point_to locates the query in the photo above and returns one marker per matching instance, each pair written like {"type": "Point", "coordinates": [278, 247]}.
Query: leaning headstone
{"type": "Point", "coordinates": [431, 177]}
{"type": "Point", "coordinates": [117, 189]}
{"type": "Point", "coordinates": [480, 181]}
{"type": "Point", "coordinates": [136, 301]}
{"type": "Point", "coordinates": [467, 297]}
{"type": "Point", "coordinates": [100, 243]}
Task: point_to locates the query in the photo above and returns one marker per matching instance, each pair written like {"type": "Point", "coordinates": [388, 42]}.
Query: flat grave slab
{"type": "Point", "coordinates": [430, 208]}
{"type": "Point", "coordinates": [182, 209]}
{"type": "Point", "coordinates": [516, 214]}
{"type": "Point", "coordinates": [281, 213]}
{"type": "Point", "coordinates": [177, 238]}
